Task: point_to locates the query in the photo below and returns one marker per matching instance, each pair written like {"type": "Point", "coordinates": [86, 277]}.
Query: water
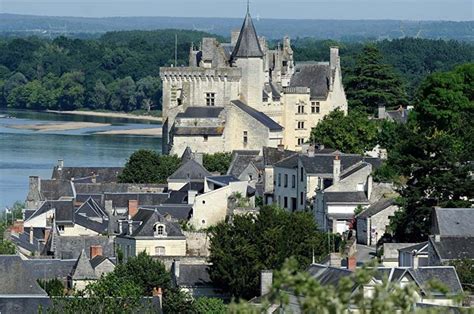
{"type": "Point", "coordinates": [25, 152]}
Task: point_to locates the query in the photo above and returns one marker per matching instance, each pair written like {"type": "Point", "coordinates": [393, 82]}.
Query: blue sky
{"type": "Point", "coordinates": [300, 9]}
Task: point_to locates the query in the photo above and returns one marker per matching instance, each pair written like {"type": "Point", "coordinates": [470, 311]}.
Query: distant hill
{"type": "Point", "coordinates": [347, 30]}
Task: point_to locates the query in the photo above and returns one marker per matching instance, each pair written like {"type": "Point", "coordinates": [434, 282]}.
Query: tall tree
{"type": "Point", "coordinates": [239, 251]}
{"type": "Point", "coordinates": [217, 162]}
{"type": "Point", "coordinates": [373, 83]}
{"type": "Point", "coordinates": [353, 133]}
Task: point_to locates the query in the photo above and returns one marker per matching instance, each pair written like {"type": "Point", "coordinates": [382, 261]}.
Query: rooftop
{"type": "Point", "coordinates": [259, 116]}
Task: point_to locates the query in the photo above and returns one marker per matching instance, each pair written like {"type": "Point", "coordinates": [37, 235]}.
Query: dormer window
{"type": "Point", "coordinates": [159, 230]}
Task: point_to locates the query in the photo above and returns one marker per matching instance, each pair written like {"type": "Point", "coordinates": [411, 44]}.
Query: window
{"type": "Point", "coordinates": [279, 200]}
{"type": "Point", "coordinates": [300, 125]}
{"type": "Point", "coordinates": [293, 181]}
{"type": "Point", "coordinates": [300, 109]}
{"type": "Point", "coordinates": [286, 180]}
{"type": "Point", "coordinates": [210, 99]}
{"type": "Point", "coordinates": [159, 230]}
{"type": "Point", "coordinates": [301, 174]}
{"type": "Point", "coordinates": [246, 138]}
{"type": "Point", "coordinates": [279, 179]}
{"type": "Point", "coordinates": [160, 250]}
{"type": "Point", "coordinates": [61, 228]}
{"type": "Point", "coordinates": [300, 141]}
{"type": "Point", "coordinates": [301, 198]}
{"type": "Point", "coordinates": [205, 137]}
{"type": "Point", "coordinates": [285, 200]}
{"type": "Point", "coordinates": [315, 107]}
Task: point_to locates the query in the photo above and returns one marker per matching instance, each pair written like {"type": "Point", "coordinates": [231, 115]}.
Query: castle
{"type": "Point", "coordinates": [243, 95]}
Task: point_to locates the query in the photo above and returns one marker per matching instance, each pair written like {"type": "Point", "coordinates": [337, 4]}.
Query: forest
{"type": "Point", "coordinates": [119, 71]}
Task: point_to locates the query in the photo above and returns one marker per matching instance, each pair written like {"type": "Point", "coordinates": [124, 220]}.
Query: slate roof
{"type": "Point", "coordinates": [242, 159]}
{"type": "Point", "coordinates": [83, 269]}
{"type": "Point", "coordinates": [190, 170]}
{"type": "Point", "coordinates": [99, 188]}
{"type": "Point", "coordinates": [346, 197]}
{"type": "Point", "coordinates": [259, 116]}
{"type": "Point", "coordinates": [64, 210]}
{"type": "Point", "coordinates": [248, 45]}
{"type": "Point", "coordinates": [50, 268]}
{"type": "Point", "coordinates": [102, 174]}
{"type": "Point", "coordinates": [194, 276]}
{"type": "Point", "coordinates": [149, 218]}
{"type": "Point", "coordinates": [201, 112]}
{"type": "Point", "coordinates": [193, 186]}
{"type": "Point", "coordinates": [177, 197]}
{"type": "Point", "coordinates": [15, 278]}
{"type": "Point", "coordinates": [272, 155]}
{"type": "Point", "coordinates": [327, 275]}
{"type": "Point", "coordinates": [91, 209]}
{"type": "Point", "coordinates": [198, 130]}
{"type": "Point", "coordinates": [144, 199]}
{"type": "Point", "coordinates": [223, 180]}
{"type": "Point", "coordinates": [449, 248]}
{"type": "Point", "coordinates": [390, 250]}
{"type": "Point", "coordinates": [377, 207]}
{"type": "Point", "coordinates": [96, 226]}
{"type": "Point", "coordinates": [324, 163]}
{"type": "Point", "coordinates": [22, 240]}
{"type": "Point", "coordinates": [315, 76]}
{"type": "Point", "coordinates": [416, 247]}
{"type": "Point", "coordinates": [179, 212]}
{"type": "Point", "coordinates": [453, 221]}
{"type": "Point", "coordinates": [55, 189]}
{"type": "Point", "coordinates": [444, 274]}
{"type": "Point", "coordinates": [99, 259]}
{"type": "Point", "coordinates": [400, 115]}
{"type": "Point", "coordinates": [70, 247]}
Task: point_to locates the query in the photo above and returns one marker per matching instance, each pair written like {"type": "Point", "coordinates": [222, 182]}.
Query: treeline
{"type": "Point", "coordinates": [120, 70]}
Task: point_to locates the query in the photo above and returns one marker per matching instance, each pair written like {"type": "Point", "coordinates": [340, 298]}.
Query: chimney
{"type": "Point", "coordinates": [95, 250]}
{"type": "Point", "coordinates": [437, 238]}
{"type": "Point", "coordinates": [336, 168]}
{"type": "Point", "coordinates": [191, 196]}
{"type": "Point", "coordinates": [132, 208]}
{"type": "Point", "coordinates": [352, 262]}
{"type": "Point", "coordinates": [60, 164]}
{"type": "Point", "coordinates": [335, 260]}
{"type": "Point", "coordinates": [266, 281]}
{"type": "Point", "coordinates": [334, 57]}
{"type": "Point", "coordinates": [130, 227]}
{"type": "Point", "coordinates": [311, 150]}
{"type": "Point", "coordinates": [120, 227]}
{"type": "Point", "coordinates": [381, 112]}
{"type": "Point", "coordinates": [109, 208]}
{"type": "Point", "coordinates": [157, 299]}
{"type": "Point", "coordinates": [281, 147]}
{"type": "Point", "coordinates": [31, 235]}
{"type": "Point", "coordinates": [47, 232]}
{"type": "Point", "coordinates": [176, 264]}
{"type": "Point", "coordinates": [34, 184]}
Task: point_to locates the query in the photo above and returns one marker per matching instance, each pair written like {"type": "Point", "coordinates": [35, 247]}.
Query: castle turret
{"type": "Point", "coordinates": [248, 56]}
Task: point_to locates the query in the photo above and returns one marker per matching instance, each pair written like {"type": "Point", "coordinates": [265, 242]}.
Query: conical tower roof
{"type": "Point", "coordinates": [247, 45]}
{"type": "Point", "coordinates": [83, 268]}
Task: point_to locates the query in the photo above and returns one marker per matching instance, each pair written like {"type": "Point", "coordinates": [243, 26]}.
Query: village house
{"type": "Point", "coordinates": [243, 95]}
{"type": "Point", "coordinates": [371, 223]}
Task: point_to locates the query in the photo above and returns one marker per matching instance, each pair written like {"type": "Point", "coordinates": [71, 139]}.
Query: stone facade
{"type": "Point", "coordinates": [294, 96]}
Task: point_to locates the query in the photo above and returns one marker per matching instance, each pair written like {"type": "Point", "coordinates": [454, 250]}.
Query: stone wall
{"type": "Point", "coordinates": [197, 243]}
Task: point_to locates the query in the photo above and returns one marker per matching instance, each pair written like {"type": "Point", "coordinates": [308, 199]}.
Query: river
{"type": "Point", "coordinates": [25, 152]}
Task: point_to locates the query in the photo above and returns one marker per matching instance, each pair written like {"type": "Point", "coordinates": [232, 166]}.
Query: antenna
{"type": "Point", "coordinates": [248, 6]}
{"type": "Point", "coordinates": [175, 50]}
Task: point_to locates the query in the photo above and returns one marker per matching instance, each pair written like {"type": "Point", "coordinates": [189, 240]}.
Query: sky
{"type": "Point", "coordinates": [456, 10]}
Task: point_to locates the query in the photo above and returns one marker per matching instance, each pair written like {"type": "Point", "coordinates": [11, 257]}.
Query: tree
{"type": "Point", "coordinates": [239, 251]}
{"type": "Point", "coordinates": [147, 166]}
{"type": "Point", "coordinates": [7, 247]}
{"type": "Point", "coordinates": [205, 305]}
{"type": "Point", "coordinates": [353, 133]}
{"type": "Point", "coordinates": [53, 287]}
{"type": "Point", "coordinates": [148, 93]}
{"type": "Point", "coordinates": [373, 83]}
{"type": "Point", "coordinates": [217, 162]}
{"type": "Point", "coordinates": [434, 156]}
{"type": "Point", "coordinates": [101, 96]}
{"type": "Point", "coordinates": [465, 271]}
{"type": "Point", "coordinates": [72, 92]}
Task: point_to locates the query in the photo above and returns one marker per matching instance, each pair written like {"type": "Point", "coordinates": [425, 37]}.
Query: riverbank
{"type": "Point", "coordinates": [147, 132]}
{"type": "Point", "coordinates": [48, 127]}
{"type": "Point", "coordinates": [109, 115]}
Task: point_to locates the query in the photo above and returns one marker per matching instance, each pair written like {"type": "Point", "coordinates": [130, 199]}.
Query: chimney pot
{"type": "Point", "coordinates": [95, 250]}
{"type": "Point", "coordinates": [352, 262]}
{"type": "Point", "coordinates": [60, 164]}
{"type": "Point", "coordinates": [132, 208]}
{"type": "Point", "coordinates": [281, 147]}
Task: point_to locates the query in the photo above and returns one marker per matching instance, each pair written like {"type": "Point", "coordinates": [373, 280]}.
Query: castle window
{"type": "Point", "coordinates": [159, 230]}
{"type": "Point", "coordinates": [285, 199]}
{"type": "Point", "coordinates": [245, 138]}
{"type": "Point", "coordinates": [160, 250]}
{"type": "Point", "coordinates": [279, 179]}
{"type": "Point", "coordinates": [300, 109]}
{"type": "Point", "coordinates": [301, 198]}
{"type": "Point", "coordinates": [61, 228]}
{"type": "Point", "coordinates": [205, 138]}
{"type": "Point", "coordinates": [286, 180]}
{"type": "Point", "coordinates": [293, 181]}
{"type": "Point", "coordinates": [301, 174]}
{"type": "Point", "coordinates": [300, 125]}
{"type": "Point", "coordinates": [210, 99]}
{"type": "Point", "coordinates": [300, 141]}
{"type": "Point", "coordinates": [315, 107]}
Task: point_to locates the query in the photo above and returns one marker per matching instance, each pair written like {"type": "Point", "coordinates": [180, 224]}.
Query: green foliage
{"type": "Point", "coordinates": [147, 166]}
{"type": "Point", "coordinates": [7, 247]}
{"type": "Point", "coordinates": [53, 287]}
{"type": "Point", "coordinates": [465, 270]}
{"type": "Point", "coordinates": [434, 152]}
{"type": "Point", "coordinates": [177, 301]}
{"type": "Point", "coordinates": [217, 162]}
{"type": "Point", "coordinates": [353, 133]}
{"type": "Point", "coordinates": [372, 83]}
{"type": "Point", "coordinates": [206, 305]}
{"type": "Point", "coordinates": [7, 219]}
{"type": "Point", "coordinates": [239, 251]}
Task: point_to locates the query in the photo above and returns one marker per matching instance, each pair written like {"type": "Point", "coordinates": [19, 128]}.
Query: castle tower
{"type": "Point", "coordinates": [248, 56]}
